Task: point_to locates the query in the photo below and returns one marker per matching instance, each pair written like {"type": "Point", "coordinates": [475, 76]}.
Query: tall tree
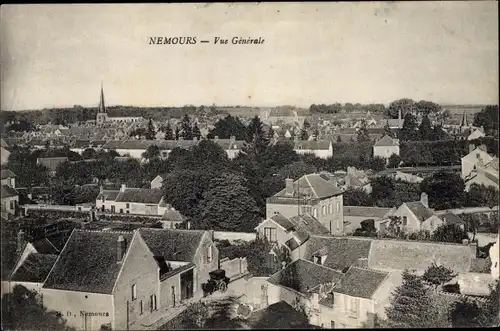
{"type": "Point", "coordinates": [177, 133]}
{"type": "Point", "coordinates": [488, 119]}
{"type": "Point", "coordinates": [426, 108]}
{"type": "Point", "coordinates": [449, 233]}
{"type": "Point", "coordinates": [226, 127]}
{"type": "Point", "coordinates": [150, 132]}
{"type": "Point", "coordinates": [303, 134]}
{"type": "Point", "coordinates": [186, 129]}
{"type": "Point", "coordinates": [387, 129]}
{"type": "Point", "coordinates": [425, 130]}
{"type": "Point", "coordinates": [227, 205]}
{"type": "Point", "coordinates": [151, 152]}
{"type": "Point", "coordinates": [362, 134]}
{"type": "Point", "coordinates": [256, 138]}
{"type": "Point", "coordinates": [440, 182]}
{"type": "Point", "coordinates": [306, 124]}
{"type": "Point", "coordinates": [409, 130]}
{"type": "Point", "coordinates": [404, 105]}
{"type": "Point", "coordinates": [169, 135]}
{"type": "Point", "coordinates": [196, 132]}
{"type": "Point", "coordinates": [411, 305]}
{"type": "Point", "coordinates": [438, 274]}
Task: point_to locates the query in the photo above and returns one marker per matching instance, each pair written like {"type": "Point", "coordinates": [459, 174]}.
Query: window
{"type": "Point", "coordinates": [209, 254]}
{"type": "Point", "coordinates": [11, 204]}
{"type": "Point", "coordinates": [112, 209]}
{"type": "Point", "coordinates": [127, 205]}
{"type": "Point", "coordinates": [332, 324]}
{"type": "Point", "coordinates": [128, 211]}
{"type": "Point", "coordinates": [315, 213]}
{"type": "Point", "coordinates": [152, 303]}
{"type": "Point", "coordinates": [121, 211]}
{"type": "Point", "coordinates": [103, 199]}
{"type": "Point", "coordinates": [354, 307]}
{"type": "Point", "coordinates": [405, 220]}
{"type": "Point", "coordinates": [338, 206]}
{"type": "Point", "coordinates": [270, 234]}
{"type": "Point", "coordinates": [330, 208]}
{"type": "Point", "coordinates": [142, 307]}
{"type": "Point", "coordinates": [323, 210]}
{"type": "Point", "coordinates": [134, 292]}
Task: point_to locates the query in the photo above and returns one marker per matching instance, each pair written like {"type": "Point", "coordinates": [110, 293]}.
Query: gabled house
{"type": "Point", "coordinates": [4, 152]}
{"type": "Point", "coordinates": [316, 194]}
{"type": "Point", "coordinates": [476, 134]}
{"type": "Point", "coordinates": [157, 182]}
{"type": "Point", "coordinates": [9, 201]}
{"type": "Point", "coordinates": [8, 178]}
{"type": "Point", "coordinates": [320, 148]}
{"type": "Point", "coordinates": [141, 201]}
{"type": "Point", "coordinates": [477, 158]}
{"type": "Point", "coordinates": [385, 147]}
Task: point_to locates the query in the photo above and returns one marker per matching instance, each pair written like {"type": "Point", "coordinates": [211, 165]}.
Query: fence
{"type": "Point", "coordinates": [234, 236]}
{"type": "Point", "coordinates": [234, 267]}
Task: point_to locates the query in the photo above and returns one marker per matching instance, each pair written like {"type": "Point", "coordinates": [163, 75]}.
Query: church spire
{"type": "Point", "coordinates": [464, 120]}
{"type": "Point", "coordinates": [102, 106]}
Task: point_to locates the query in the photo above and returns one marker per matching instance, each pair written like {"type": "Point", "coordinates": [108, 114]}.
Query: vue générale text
{"type": "Point", "coordinates": [196, 40]}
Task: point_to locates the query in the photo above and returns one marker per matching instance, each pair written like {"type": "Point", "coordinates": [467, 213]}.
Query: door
{"type": "Point", "coordinates": [172, 295]}
{"type": "Point", "coordinates": [112, 208]}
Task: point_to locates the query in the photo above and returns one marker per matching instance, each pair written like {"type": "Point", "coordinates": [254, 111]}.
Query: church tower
{"type": "Point", "coordinates": [463, 123]}
{"type": "Point", "coordinates": [102, 116]}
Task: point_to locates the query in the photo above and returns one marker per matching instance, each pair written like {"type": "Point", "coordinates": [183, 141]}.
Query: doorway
{"type": "Point", "coordinates": [187, 285]}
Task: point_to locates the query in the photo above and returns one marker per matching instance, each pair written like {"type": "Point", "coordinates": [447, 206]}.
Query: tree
{"type": "Point", "coordinates": [411, 305]}
{"type": "Point", "coordinates": [438, 274]}
{"type": "Point", "coordinates": [306, 124]}
{"type": "Point", "coordinates": [316, 134]}
{"type": "Point", "coordinates": [449, 233]}
{"type": "Point", "coordinates": [151, 152]}
{"type": "Point", "coordinates": [227, 127]}
{"type": "Point", "coordinates": [383, 188]}
{"type": "Point", "coordinates": [427, 108]}
{"type": "Point", "coordinates": [387, 129]}
{"type": "Point", "coordinates": [186, 129]}
{"type": "Point", "coordinates": [367, 229]}
{"type": "Point", "coordinates": [168, 132]}
{"type": "Point", "coordinates": [227, 205]}
{"type": "Point", "coordinates": [303, 134]}
{"type": "Point", "coordinates": [198, 313]}
{"type": "Point", "coordinates": [425, 130]}
{"type": "Point", "coordinates": [394, 161]}
{"type": "Point", "coordinates": [177, 133]}
{"type": "Point", "coordinates": [295, 170]}
{"type": "Point", "coordinates": [196, 132]}
{"type": "Point", "coordinates": [257, 140]}
{"type": "Point", "coordinates": [339, 139]}
{"type": "Point", "coordinates": [23, 310]}
{"type": "Point", "coordinates": [357, 197]}
{"type": "Point", "coordinates": [488, 119]}
{"type": "Point", "coordinates": [408, 132]}
{"type": "Point", "coordinates": [208, 154]}
{"type": "Point", "coordinates": [481, 196]}
{"type": "Point", "coordinates": [362, 134]}
{"type": "Point", "coordinates": [258, 258]}
{"type": "Point", "coordinates": [89, 153]}
{"type": "Point", "coordinates": [404, 105]}
{"type": "Point", "coordinates": [377, 163]}
{"type": "Point", "coordinates": [270, 133]}
{"type": "Point", "coordinates": [150, 132]}
{"type": "Point", "coordinates": [439, 183]}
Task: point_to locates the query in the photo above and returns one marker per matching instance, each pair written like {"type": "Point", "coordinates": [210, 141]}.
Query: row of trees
{"type": "Point", "coordinates": [346, 108]}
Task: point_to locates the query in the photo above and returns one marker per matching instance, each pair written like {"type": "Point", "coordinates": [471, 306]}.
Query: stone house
{"type": "Point", "coordinates": [385, 147]}
{"type": "Point", "coordinates": [316, 194]}
{"type": "Point", "coordinates": [126, 200]}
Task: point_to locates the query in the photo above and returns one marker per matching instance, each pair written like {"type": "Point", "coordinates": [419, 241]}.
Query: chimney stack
{"type": "Point", "coordinates": [424, 198]}
{"type": "Point", "coordinates": [20, 241]}
{"type": "Point", "coordinates": [289, 186]}
{"type": "Point", "coordinates": [120, 249]}
{"type": "Point", "coordinates": [122, 188]}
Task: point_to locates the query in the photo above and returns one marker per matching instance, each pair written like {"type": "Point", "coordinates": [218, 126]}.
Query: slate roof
{"type": "Point", "coordinates": [34, 268]}
{"type": "Point", "coordinates": [81, 144]}
{"type": "Point", "coordinates": [320, 186]}
{"type": "Point", "coordinates": [45, 246]}
{"type": "Point", "coordinates": [309, 224]}
{"type": "Point", "coordinates": [109, 194]}
{"type": "Point", "coordinates": [173, 215]}
{"type": "Point", "coordinates": [360, 282]}
{"type": "Point", "coordinates": [140, 195]}
{"type": "Point", "coordinates": [368, 212]}
{"type": "Point", "coordinates": [303, 276]}
{"type": "Point", "coordinates": [51, 162]}
{"type": "Point", "coordinates": [387, 141]}
{"type": "Point", "coordinates": [172, 245]}
{"type": "Point", "coordinates": [6, 173]}
{"type": "Point", "coordinates": [88, 262]}
{"type": "Point", "coordinates": [342, 252]}
{"type": "Point", "coordinates": [8, 192]}
{"type": "Point", "coordinates": [420, 211]}
{"type": "Point", "coordinates": [283, 221]}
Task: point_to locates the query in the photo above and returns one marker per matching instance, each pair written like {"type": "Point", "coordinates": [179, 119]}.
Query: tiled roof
{"type": "Point", "coordinates": [109, 194]}
{"type": "Point", "coordinates": [81, 144]}
{"type": "Point", "coordinates": [6, 173]}
{"type": "Point", "coordinates": [387, 141]}
{"type": "Point", "coordinates": [292, 244]}
{"type": "Point", "coordinates": [390, 254]}
{"type": "Point", "coordinates": [51, 162]}
{"type": "Point", "coordinates": [368, 212]}
{"type": "Point", "coordinates": [303, 276]}
{"type": "Point", "coordinates": [420, 211]}
{"type": "Point", "coordinates": [283, 221]}
{"type": "Point", "coordinates": [342, 252]}
{"type": "Point", "coordinates": [317, 185]}
{"type": "Point", "coordinates": [8, 192]}
{"type": "Point", "coordinates": [361, 283]}
{"type": "Point", "coordinates": [172, 245]}
{"type": "Point", "coordinates": [34, 268]}
{"type": "Point", "coordinates": [88, 262]}
{"type": "Point", "coordinates": [451, 218]}
{"type": "Point", "coordinates": [140, 195]}
{"type": "Point", "coordinates": [309, 224]}
{"type": "Point", "coordinates": [173, 215]}
{"type": "Point", "coordinates": [45, 246]}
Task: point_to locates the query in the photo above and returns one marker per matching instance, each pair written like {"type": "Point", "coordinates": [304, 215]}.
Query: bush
{"type": "Point", "coordinates": [438, 275]}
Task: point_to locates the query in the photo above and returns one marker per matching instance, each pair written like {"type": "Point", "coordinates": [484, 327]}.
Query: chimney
{"type": "Point", "coordinates": [122, 188]}
{"type": "Point", "coordinates": [20, 241]}
{"type": "Point", "coordinates": [289, 186]}
{"type": "Point", "coordinates": [472, 147]}
{"type": "Point", "coordinates": [424, 198]}
{"type": "Point", "coordinates": [120, 248]}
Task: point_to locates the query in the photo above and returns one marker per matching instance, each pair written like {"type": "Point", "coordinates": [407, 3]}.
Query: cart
{"type": "Point", "coordinates": [218, 281]}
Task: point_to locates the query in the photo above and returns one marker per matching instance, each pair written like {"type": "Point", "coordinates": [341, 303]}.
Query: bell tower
{"type": "Point", "coordinates": [102, 116]}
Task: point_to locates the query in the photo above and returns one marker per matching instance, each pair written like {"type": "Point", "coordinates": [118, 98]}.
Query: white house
{"type": "Point", "coordinates": [385, 147]}
{"type": "Point", "coordinates": [477, 158]}
{"type": "Point", "coordinates": [320, 148]}
{"type": "Point", "coordinates": [476, 134]}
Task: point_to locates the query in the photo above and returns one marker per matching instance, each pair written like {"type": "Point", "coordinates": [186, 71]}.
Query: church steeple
{"type": "Point", "coordinates": [102, 106]}
{"type": "Point", "coordinates": [464, 120]}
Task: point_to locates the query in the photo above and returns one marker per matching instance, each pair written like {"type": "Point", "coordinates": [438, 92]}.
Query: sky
{"type": "Point", "coordinates": [58, 55]}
